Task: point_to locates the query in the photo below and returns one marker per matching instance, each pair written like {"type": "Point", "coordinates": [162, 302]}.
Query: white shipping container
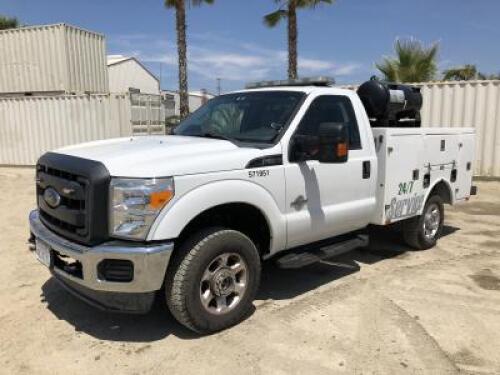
{"type": "Point", "coordinates": [32, 125]}
{"type": "Point", "coordinates": [468, 104]}
{"type": "Point", "coordinates": [52, 58]}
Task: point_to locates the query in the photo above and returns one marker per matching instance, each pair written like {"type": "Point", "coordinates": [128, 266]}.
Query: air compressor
{"type": "Point", "coordinates": [391, 104]}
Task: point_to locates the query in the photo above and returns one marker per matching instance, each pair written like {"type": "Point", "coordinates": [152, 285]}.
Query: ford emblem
{"type": "Point", "coordinates": [52, 197]}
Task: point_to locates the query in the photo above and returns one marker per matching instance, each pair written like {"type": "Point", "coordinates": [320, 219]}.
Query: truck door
{"type": "Point", "coordinates": [325, 199]}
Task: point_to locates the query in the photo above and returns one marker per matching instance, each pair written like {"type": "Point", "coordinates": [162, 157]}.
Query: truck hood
{"type": "Point", "coordinates": [161, 156]}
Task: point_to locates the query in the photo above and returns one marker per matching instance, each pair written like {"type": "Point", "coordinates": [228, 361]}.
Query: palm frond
{"type": "Point", "coordinates": [8, 23]}
{"type": "Point", "coordinates": [462, 73]}
{"type": "Point", "coordinates": [312, 3]}
{"type": "Point", "coordinates": [195, 3]}
{"type": "Point", "coordinates": [272, 19]}
{"type": "Point", "coordinates": [413, 62]}
{"type": "Point", "coordinates": [170, 3]}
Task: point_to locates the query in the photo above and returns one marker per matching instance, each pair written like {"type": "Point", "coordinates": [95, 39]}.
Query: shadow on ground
{"type": "Point", "coordinates": [155, 325]}
{"type": "Point", "coordinates": [385, 243]}
{"type": "Point", "coordinates": [276, 284]}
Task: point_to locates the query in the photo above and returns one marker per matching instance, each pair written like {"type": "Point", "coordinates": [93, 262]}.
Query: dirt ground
{"type": "Point", "coordinates": [385, 310]}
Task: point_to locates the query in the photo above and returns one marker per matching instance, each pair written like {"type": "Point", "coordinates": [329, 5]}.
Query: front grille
{"type": "Point", "coordinates": [71, 205]}
{"type": "Point", "coordinates": [82, 186]}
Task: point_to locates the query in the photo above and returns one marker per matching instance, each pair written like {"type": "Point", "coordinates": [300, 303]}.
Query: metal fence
{"type": "Point", "coordinates": [30, 126]}
{"type": "Point", "coordinates": [149, 113]}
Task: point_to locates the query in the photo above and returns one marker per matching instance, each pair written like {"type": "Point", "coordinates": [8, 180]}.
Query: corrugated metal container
{"type": "Point", "coordinates": [466, 104]}
{"type": "Point", "coordinates": [54, 58]}
{"type": "Point", "coordinates": [30, 126]}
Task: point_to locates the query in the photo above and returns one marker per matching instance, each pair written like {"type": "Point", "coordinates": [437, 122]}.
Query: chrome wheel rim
{"type": "Point", "coordinates": [432, 221]}
{"type": "Point", "coordinates": [224, 283]}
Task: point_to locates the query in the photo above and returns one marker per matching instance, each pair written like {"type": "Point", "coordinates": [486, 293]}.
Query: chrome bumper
{"type": "Point", "coordinates": [150, 261]}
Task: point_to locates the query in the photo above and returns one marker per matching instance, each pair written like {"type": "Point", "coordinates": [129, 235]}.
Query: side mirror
{"type": "Point", "coordinates": [333, 142]}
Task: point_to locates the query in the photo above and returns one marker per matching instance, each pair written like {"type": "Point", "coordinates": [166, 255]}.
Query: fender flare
{"type": "Point", "coordinates": [431, 188]}
{"type": "Point", "coordinates": [177, 215]}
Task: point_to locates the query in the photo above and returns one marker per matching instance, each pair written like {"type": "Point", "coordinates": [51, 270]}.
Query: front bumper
{"type": "Point", "coordinates": [149, 267]}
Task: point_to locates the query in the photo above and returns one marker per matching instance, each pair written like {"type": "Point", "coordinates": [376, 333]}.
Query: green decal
{"type": "Point", "coordinates": [405, 187]}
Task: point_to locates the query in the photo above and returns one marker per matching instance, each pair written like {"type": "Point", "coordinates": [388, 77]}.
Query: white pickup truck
{"type": "Point", "coordinates": [291, 170]}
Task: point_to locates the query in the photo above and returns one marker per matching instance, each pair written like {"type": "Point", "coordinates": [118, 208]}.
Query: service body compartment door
{"type": "Point", "coordinates": [465, 166]}
{"type": "Point", "coordinates": [414, 160]}
{"type": "Point", "coordinates": [400, 191]}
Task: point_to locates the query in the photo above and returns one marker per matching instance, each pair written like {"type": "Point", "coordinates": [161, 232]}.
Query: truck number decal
{"type": "Point", "coordinates": [258, 173]}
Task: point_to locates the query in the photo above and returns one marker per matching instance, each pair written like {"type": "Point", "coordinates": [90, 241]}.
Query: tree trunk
{"type": "Point", "coordinates": [292, 39]}
{"type": "Point", "coordinates": [180, 15]}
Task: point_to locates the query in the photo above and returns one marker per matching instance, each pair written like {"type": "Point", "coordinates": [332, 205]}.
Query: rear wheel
{"type": "Point", "coordinates": [422, 232]}
{"type": "Point", "coordinates": [213, 279]}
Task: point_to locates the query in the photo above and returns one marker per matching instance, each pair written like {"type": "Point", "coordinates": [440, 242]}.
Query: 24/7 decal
{"type": "Point", "coordinates": [405, 187]}
{"type": "Point", "coordinates": [406, 206]}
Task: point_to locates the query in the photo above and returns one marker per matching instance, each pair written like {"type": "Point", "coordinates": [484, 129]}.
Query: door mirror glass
{"type": "Point", "coordinates": [333, 144]}
{"type": "Point", "coordinates": [305, 147]}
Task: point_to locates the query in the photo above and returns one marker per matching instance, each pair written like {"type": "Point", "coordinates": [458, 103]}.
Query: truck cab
{"type": "Point", "coordinates": [290, 170]}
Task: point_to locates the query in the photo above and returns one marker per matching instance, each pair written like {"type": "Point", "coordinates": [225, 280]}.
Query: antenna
{"type": "Point", "coordinates": [218, 86]}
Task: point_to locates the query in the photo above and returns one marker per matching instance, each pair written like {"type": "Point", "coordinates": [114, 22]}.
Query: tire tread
{"type": "Point", "coordinates": [178, 274]}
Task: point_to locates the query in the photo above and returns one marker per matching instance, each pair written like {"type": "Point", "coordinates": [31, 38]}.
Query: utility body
{"type": "Point", "coordinates": [291, 171]}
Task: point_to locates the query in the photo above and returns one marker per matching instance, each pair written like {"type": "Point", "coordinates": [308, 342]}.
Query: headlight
{"type": "Point", "coordinates": [135, 204]}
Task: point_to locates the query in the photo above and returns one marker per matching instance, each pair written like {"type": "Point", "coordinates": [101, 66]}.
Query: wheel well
{"type": "Point", "coordinates": [443, 190]}
{"type": "Point", "coordinates": [238, 216]}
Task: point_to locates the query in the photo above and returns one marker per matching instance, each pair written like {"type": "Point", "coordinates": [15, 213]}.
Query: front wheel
{"type": "Point", "coordinates": [213, 279]}
{"type": "Point", "coordinates": [422, 232]}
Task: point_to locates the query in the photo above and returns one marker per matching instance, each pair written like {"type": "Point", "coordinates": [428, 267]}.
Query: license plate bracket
{"type": "Point", "coordinates": [43, 253]}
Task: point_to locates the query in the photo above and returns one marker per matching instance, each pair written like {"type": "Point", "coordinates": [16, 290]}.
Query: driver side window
{"type": "Point", "coordinates": [332, 109]}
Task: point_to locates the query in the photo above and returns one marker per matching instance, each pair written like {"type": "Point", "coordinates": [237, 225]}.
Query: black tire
{"type": "Point", "coordinates": [188, 266]}
{"type": "Point", "coordinates": [413, 229]}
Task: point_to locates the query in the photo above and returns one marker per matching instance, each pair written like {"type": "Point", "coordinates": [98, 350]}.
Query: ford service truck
{"type": "Point", "coordinates": [294, 170]}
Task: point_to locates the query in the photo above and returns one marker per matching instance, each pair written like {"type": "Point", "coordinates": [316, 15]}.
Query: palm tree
{"type": "Point", "coordinates": [8, 23]}
{"type": "Point", "coordinates": [463, 73]}
{"type": "Point", "coordinates": [466, 73]}
{"type": "Point", "coordinates": [288, 9]}
{"type": "Point", "coordinates": [180, 19]}
{"type": "Point", "coordinates": [413, 62]}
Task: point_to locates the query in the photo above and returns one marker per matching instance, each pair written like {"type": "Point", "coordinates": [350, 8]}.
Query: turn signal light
{"type": "Point", "coordinates": [341, 150]}
{"type": "Point", "coordinates": [159, 198]}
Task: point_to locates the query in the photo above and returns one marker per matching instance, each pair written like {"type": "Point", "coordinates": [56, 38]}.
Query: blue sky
{"type": "Point", "coordinates": [228, 40]}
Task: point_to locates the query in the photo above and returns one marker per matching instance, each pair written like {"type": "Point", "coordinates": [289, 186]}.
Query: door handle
{"type": "Point", "coordinates": [367, 166]}
{"type": "Point", "coordinates": [299, 202]}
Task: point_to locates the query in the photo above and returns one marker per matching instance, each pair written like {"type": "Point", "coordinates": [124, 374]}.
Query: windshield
{"type": "Point", "coordinates": [248, 117]}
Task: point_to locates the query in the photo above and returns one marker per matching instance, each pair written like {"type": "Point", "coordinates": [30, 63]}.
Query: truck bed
{"type": "Point", "coordinates": [411, 161]}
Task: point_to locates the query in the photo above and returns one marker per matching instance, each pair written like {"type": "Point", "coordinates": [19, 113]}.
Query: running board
{"type": "Point", "coordinates": [303, 258]}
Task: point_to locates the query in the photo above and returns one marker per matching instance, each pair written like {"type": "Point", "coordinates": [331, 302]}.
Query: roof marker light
{"type": "Point", "coordinates": [311, 81]}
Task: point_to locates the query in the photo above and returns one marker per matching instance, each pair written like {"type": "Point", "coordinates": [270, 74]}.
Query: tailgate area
{"type": "Point", "coordinates": [411, 161]}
